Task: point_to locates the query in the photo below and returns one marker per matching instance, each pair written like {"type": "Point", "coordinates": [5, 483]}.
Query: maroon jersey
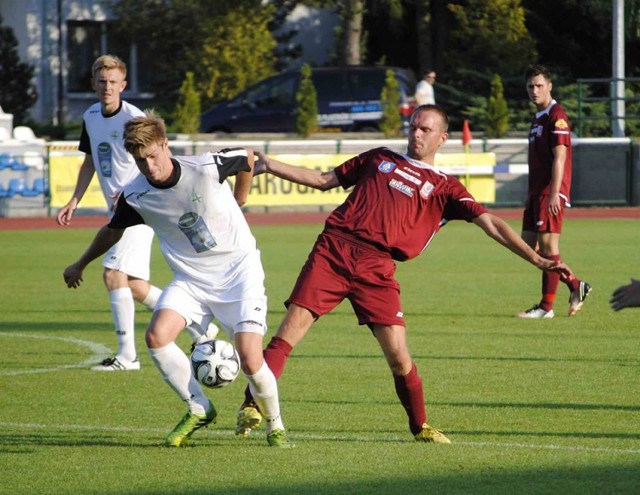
{"type": "Point", "coordinates": [398, 204]}
{"type": "Point", "coordinates": [549, 128]}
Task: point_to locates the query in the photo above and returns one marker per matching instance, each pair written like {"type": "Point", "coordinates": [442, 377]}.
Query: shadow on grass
{"type": "Point", "coordinates": [53, 326]}
{"type": "Point", "coordinates": [473, 358]}
{"type": "Point", "coordinates": [566, 480]}
{"type": "Point", "coordinates": [488, 405]}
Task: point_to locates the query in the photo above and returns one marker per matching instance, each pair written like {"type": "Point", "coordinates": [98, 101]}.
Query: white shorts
{"type": "Point", "coordinates": [132, 253]}
{"type": "Point", "coordinates": [196, 305]}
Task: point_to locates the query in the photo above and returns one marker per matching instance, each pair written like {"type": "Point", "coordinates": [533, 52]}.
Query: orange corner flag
{"type": "Point", "coordinates": [466, 133]}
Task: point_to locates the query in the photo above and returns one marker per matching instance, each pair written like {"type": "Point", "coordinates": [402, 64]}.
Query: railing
{"type": "Point", "coordinates": [603, 91]}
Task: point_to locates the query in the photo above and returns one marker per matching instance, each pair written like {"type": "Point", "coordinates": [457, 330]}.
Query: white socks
{"type": "Point", "coordinates": [123, 310]}
{"type": "Point", "coordinates": [152, 297]}
{"type": "Point", "coordinates": [264, 388]}
{"type": "Point", "coordinates": [175, 368]}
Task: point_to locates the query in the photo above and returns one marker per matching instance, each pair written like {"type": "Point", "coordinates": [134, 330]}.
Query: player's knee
{"type": "Point", "coordinates": [113, 279]}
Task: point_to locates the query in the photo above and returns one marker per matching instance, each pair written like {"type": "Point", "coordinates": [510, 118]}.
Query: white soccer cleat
{"type": "Point", "coordinates": [535, 312]}
{"type": "Point", "coordinates": [577, 297]}
{"type": "Point", "coordinates": [117, 364]}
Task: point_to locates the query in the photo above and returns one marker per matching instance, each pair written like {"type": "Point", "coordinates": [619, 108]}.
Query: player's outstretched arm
{"type": "Point", "coordinates": [499, 230]}
{"type": "Point", "coordinates": [102, 242]}
{"type": "Point", "coordinates": [626, 296]}
{"type": "Point", "coordinates": [300, 175]}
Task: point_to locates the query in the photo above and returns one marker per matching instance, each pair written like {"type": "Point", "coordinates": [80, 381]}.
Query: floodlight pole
{"type": "Point", "coordinates": [617, 103]}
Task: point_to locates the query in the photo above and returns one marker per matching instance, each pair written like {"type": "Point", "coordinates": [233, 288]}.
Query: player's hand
{"type": "Point", "coordinates": [561, 269]}
{"type": "Point", "coordinates": [626, 296]}
{"type": "Point", "coordinates": [72, 276]}
{"type": "Point", "coordinates": [554, 205]}
{"type": "Point", "coordinates": [260, 166]}
{"type": "Point", "coordinates": [66, 214]}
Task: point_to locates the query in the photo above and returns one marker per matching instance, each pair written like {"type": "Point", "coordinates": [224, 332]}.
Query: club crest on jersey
{"type": "Point", "coordinates": [426, 189]}
{"type": "Point", "coordinates": [536, 131]}
{"type": "Point", "coordinates": [385, 167]}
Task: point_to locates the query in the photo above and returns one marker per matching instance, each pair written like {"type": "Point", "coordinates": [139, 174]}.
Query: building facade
{"type": "Point", "coordinates": [62, 38]}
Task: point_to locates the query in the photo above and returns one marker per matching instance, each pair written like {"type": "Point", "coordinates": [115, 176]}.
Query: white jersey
{"type": "Point", "coordinates": [202, 232]}
{"type": "Point", "coordinates": [424, 93]}
{"type": "Point", "coordinates": [103, 137]}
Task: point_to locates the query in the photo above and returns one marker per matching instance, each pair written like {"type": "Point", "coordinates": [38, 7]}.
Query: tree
{"type": "Point", "coordinates": [187, 113]}
{"type": "Point", "coordinates": [498, 113]}
{"type": "Point", "coordinates": [490, 35]}
{"type": "Point", "coordinates": [307, 104]}
{"type": "Point", "coordinates": [391, 122]}
{"type": "Point", "coordinates": [236, 53]}
{"type": "Point", "coordinates": [173, 34]}
{"type": "Point", "coordinates": [17, 93]}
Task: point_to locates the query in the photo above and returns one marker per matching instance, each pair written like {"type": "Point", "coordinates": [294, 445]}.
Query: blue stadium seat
{"type": "Point", "coordinates": [16, 165]}
{"type": "Point", "coordinates": [5, 193]}
{"type": "Point", "coordinates": [5, 160]}
{"type": "Point", "coordinates": [17, 186]}
{"type": "Point", "coordinates": [40, 186]}
{"type": "Point", "coordinates": [37, 189]}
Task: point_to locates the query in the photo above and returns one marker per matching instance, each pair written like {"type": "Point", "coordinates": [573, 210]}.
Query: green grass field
{"type": "Point", "coordinates": [531, 406]}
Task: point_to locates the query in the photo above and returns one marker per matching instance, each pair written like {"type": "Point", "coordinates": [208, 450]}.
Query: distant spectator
{"type": "Point", "coordinates": [424, 89]}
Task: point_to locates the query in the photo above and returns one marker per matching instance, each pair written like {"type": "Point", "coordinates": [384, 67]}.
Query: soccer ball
{"type": "Point", "coordinates": [215, 363]}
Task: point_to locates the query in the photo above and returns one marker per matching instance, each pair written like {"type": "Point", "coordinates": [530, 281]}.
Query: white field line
{"type": "Point", "coordinates": [99, 352]}
{"type": "Point", "coordinates": [320, 438]}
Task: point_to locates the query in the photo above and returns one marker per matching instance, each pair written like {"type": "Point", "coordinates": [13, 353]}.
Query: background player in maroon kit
{"type": "Point", "coordinates": [397, 205]}
{"type": "Point", "coordinates": [549, 188]}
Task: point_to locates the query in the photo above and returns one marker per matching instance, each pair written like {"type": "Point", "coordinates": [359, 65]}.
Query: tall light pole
{"type": "Point", "coordinates": [617, 104]}
{"type": "Point", "coordinates": [61, 102]}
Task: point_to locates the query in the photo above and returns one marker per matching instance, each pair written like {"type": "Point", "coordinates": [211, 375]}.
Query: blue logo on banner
{"type": "Point", "coordinates": [386, 167]}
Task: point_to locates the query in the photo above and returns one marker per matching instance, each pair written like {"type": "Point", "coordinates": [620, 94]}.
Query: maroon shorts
{"type": "Point", "coordinates": [536, 217]}
{"type": "Point", "coordinates": [340, 266]}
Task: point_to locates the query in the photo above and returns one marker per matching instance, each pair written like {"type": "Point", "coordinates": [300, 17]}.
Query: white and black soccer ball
{"type": "Point", "coordinates": [215, 363]}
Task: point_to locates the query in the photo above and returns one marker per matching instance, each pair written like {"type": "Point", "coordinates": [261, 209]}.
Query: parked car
{"type": "Point", "coordinates": [348, 100]}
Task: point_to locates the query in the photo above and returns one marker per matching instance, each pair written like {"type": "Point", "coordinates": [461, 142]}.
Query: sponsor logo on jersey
{"type": "Point", "coordinates": [536, 131]}
{"type": "Point", "coordinates": [139, 195]}
{"type": "Point", "coordinates": [399, 314]}
{"type": "Point", "coordinates": [562, 124]}
{"type": "Point", "coordinates": [407, 176]}
{"type": "Point", "coordinates": [427, 189]}
{"type": "Point", "coordinates": [196, 198]}
{"type": "Point", "coordinates": [385, 167]}
{"type": "Point", "coordinates": [402, 187]}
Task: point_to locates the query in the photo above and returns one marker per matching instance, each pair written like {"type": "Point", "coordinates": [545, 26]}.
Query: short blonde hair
{"type": "Point", "coordinates": [142, 132]}
{"type": "Point", "coordinates": [108, 62]}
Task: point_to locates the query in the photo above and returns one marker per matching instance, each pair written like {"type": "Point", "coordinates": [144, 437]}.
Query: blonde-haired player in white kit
{"type": "Point", "coordinates": [126, 266]}
{"type": "Point", "coordinates": [216, 264]}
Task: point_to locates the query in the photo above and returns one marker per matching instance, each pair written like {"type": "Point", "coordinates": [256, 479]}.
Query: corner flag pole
{"type": "Point", "coordinates": [466, 139]}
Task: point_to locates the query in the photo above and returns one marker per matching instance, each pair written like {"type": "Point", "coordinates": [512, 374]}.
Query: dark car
{"type": "Point", "coordinates": [348, 100]}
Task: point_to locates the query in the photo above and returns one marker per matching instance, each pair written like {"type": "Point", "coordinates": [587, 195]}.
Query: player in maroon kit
{"type": "Point", "coordinates": [549, 187]}
{"type": "Point", "coordinates": [397, 205]}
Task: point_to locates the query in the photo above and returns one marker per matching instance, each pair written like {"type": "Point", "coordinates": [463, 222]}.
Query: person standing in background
{"type": "Point", "coordinates": [549, 188]}
{"type": "Point", "coordinates": [424, 94]}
